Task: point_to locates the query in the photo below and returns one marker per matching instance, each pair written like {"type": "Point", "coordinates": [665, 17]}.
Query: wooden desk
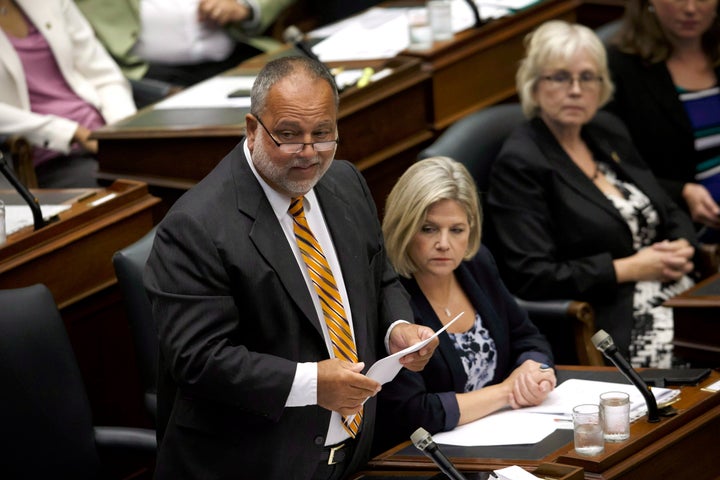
{"type": "Point", "coordinates": [73, 257]}
{"type": "Point", "coordinates": [682, 446]}
{"type": "Point", "coordinates": [477, 67]}
{"type": "Point", "coordinates": [697, 323]}
{"type": "Point", "coordinates": [171, 150]}
{"type": "Point", "coordinates": [382, 126]}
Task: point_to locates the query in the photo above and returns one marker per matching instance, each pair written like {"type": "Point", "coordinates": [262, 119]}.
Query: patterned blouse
{"type": "Point", "coordinates": [652, 333]}
{"type": "Point", "coordinates": [477, 351]}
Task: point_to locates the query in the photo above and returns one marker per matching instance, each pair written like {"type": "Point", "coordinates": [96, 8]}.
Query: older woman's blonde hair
{"type": "Point", "coordinates": [422, 185]}
{"type": "Point", "coordinates": [556, 42]}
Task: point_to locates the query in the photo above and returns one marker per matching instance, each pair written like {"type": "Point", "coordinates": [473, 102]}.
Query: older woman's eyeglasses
{"type": "Point", "coordinates": [297, 147]}
{"type": "Point", "coordinates": [565, 79]}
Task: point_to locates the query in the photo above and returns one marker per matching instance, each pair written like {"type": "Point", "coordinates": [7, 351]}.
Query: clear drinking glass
{"type": "Point", "coordinates": [587, 430]}
{"type": "Point", "coordinates": [615, 416]}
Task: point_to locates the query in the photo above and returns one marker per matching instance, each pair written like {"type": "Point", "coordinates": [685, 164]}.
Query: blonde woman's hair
{"type": "Point", "coordinates": [555, 42]}
{"type": "Point", "coordinates": [421, 186]}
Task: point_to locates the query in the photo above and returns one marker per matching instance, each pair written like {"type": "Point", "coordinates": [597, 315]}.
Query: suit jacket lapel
{"type": "Point", "coordinates": [267, 235]}
{"type": "Point", "coordinates": [569, 171]}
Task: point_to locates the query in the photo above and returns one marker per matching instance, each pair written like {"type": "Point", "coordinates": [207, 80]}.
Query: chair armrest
{"type": "Point", "coordinates": [141, 439]}
{"type": "Point", "coordinates": [147, 90]}
{"type": "Point", "coordinates": [708, 259]}
{"type": "Point", "coordinates": [21, 155]}
{"type": "Point", "coordinates": [581, 318]}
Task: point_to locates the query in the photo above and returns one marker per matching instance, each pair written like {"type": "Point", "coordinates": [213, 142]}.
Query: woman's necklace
{"type": "Point", "coordinates": [446, 308]}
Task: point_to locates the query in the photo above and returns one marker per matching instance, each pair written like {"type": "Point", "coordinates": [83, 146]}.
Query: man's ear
{"type": "Point", "coordinates": [251, 126]}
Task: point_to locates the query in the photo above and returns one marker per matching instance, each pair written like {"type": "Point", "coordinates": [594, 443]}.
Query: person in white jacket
{"type": "Point", "coordinates": [57, 84]}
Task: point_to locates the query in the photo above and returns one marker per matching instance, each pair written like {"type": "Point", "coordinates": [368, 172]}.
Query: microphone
{"type": "Point", "coordinates": [476, 13]}
{"type": "Point", "coordinates": [32, 201]}
{"type": "Point", "coordinates": [604, 342]}
{"type": "Point", "coordinates": [424, 442]}
{"type": "Point", "coordinates": [295, 37]}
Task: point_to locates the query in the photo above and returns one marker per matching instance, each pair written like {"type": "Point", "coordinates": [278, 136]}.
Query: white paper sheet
{"type": "Point", "coordinates": [386, 368]}
{"type": "Point", "coordinates": [383, 32]}
{"type": "Point", "coordinates": [515, 473]}
{"type": "Point", "coordinates": [20, 216]}
{"type": "Point", "coordinates": [507, 427]}
{"type": "Point", "coordinates": [213, 92]}
{"type": "Point", "coordinates": [575, 392]}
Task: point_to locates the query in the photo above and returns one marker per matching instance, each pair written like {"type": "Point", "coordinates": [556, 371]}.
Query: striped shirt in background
{"type": "Point", "coordinates": [703, 110]}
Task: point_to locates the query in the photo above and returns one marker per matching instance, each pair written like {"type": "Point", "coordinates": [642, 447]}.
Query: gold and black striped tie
{"type": "Point", "coordinates": [330, 300]}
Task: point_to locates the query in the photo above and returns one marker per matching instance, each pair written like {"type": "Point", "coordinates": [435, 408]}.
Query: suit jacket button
{"type": "Point", "coordinates": [320, 440]}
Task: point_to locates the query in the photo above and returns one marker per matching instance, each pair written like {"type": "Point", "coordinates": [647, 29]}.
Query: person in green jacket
{"type": "Point", "coordinates": [182, 42]}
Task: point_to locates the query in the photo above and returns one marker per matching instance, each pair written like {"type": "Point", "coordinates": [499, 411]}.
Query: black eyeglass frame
{"type": "Point", "coordinates": [331, 144]}
{"type": "Point", "coordinates": [565, 79]}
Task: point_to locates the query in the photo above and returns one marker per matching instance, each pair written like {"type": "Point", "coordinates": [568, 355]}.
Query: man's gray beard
{"type": "Point", "coordinates": [275, 176]}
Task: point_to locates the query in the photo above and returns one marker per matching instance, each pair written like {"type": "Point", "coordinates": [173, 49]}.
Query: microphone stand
{"type": "Point", "coordinates": [32, 201]}
{"type": "Point", "coordinates": [476, 13]}
{"type": "Point", "coordinates": [605, 344]}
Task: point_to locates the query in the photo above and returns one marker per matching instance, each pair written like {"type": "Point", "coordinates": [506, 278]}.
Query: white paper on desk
{"type": "Point", "coordinates": [575, 392]}
{"type": "Point", "coordinates": [383, 32]}
{"type": "Point", "coordinates": [514, 473]}
{"type": "Point", "coordinates": [506, 427]}
{"type": "Point", "coordinates": [386, 368]}
{"type": "Point", "coordinates": [20, 216]}
{"type": "Point", "coordinates": [212, 92]}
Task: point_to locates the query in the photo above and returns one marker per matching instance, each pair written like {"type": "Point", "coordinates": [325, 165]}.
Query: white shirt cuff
{"type": "Point", "coordinates": [304, 388]}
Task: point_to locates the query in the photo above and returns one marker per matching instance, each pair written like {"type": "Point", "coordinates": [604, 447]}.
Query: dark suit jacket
{"type": "Point", "coordinates": [558, 233]}
{"type": "Point", "coordinates": [427, 399]}
{"type": "Point", "coordinates": [646, 100]}
{"type": "Point", "coordinates": [235, 317]}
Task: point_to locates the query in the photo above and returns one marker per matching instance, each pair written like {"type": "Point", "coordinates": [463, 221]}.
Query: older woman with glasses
{"type": "Point", "coordinates": [665, 63]}
{"type": "Point", "coordinates": [576, 211]}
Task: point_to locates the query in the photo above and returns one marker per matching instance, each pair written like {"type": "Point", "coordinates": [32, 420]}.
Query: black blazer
{"type": "Point", "coordinates": [647, 101]}
{"type": "Point", "coordinates": [427, 399]}
{"type": "Point", "coordinates": [558, 233]}
{"type": "Point", "coordinates": [235, 317]}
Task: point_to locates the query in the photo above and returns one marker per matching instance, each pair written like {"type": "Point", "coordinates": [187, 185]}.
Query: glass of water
{"type": "Point", "coordinates": [587, 429]}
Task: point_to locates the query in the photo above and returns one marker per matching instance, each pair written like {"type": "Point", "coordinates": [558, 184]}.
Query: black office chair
{"type": "Point", "coordinates": [129, 264]}
{"type": "Point", "coordinates": [475, 141]}
{"type": "Point", "coordinates": [45, 416]}
{"type": "Point", "coordinates": [147, 91]}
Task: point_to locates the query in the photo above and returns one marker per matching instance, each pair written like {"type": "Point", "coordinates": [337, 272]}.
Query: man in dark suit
{"type": "Point", "coordinates": [254, 382]}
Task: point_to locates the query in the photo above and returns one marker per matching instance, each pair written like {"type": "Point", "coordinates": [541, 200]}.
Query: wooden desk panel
{"type": "Point", "coordinates": [682, 444]}
{"type": "Point", "coordinates": [382, 126]}
{"type": "Point", "coordinates": [73, 257]}
{"type": "Point", "coordinates": [697, 323]}
{"type": "Point", "coordinates": [176, 148]}
{"type": "Point", "coordinates": [477, 68]}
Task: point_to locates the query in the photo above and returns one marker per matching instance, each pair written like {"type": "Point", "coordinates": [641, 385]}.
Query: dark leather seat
{"type": "Point", "coordinates": [45, 413]}
{"type": "Point", "coordinates": [129, 264]}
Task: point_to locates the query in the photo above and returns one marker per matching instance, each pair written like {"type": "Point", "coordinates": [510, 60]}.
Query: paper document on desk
{"type": "Point", "coordinates": [213, 92]}
{"type": "Point", "coordinates": [506, 427]}
{"type": "Point", "coordinates": [386, 368]}
{"type": "Point", "coordinates": [381, 33]}
{"type": "Point", "coordinates": [575, 392]}
{"type": "Point", "coordinates": [18, 217]}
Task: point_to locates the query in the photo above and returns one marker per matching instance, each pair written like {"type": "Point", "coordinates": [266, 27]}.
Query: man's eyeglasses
{"type": "Point", "coordinates": [565, 79]}
{"type": "Point", "coordinates": [292, 148]}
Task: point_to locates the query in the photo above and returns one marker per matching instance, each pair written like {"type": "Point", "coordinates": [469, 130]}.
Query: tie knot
{"type": "Point", "coordinates": [296, 207]}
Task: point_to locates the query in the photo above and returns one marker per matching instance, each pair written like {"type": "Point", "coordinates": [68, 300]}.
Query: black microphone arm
{"type": "Point", "coordinates": [296, 38]}
{"type": "Point", "coordinates": [32, 201]}
{"type": "Point", "coordinates": [424, 442]}
{"type": "Point", "coordinates": [604, 342]}
{"type": "Point", "coordinates": [476, 13]}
